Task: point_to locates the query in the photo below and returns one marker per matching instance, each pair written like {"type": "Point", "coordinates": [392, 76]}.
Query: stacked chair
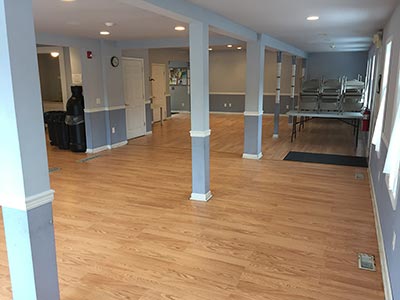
{"type": "Point", "coordinates": [332, 95]}
{"type": "Point", "coordinates": [353, 96]}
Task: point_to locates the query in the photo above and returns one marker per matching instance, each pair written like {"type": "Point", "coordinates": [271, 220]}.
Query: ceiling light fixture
{"type": "Point", "coordinates": [312, 18]}
{"type": "Point", "coordinates": [55, 54]}
{"type": "Point", "coordinates": [180, 28]}
{"type": "Point", "coordinates": [239, 48]}
{"type": "Point", "coordinates": [104, 32]}
{"type": "Point", "coordinates": [229, 46]}
{"type": "Point", "coordinates": [109, 24]}
{"type": "Point", "coordinates": [68, 0]}
{"type": "Point", "coordinates": [210, 49]}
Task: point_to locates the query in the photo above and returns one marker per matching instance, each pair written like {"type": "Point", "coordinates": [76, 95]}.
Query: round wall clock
{"type": "Point", "coordinates": [115, 61]}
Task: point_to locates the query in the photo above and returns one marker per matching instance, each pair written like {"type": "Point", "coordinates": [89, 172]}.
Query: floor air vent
{"type": "Point", "coordinates": [52, 170]}
{"type": "Point", "coordinates": [83, 160]}
{"type": "Point", "coordinates": [359, 176]}
{"type": "Point", "coordinates": [366, 262]}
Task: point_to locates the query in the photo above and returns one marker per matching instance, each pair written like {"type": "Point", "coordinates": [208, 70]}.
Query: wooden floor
{"type": "Point", "coordinates": [275, 230]}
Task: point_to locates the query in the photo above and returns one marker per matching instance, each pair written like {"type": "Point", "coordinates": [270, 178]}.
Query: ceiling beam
{"type": "Point", "coordinates": [187, 12]}
{"type": "Point", "coordinates": [271, 42]}
{"type": "Point", "coordinates": [173, 43]}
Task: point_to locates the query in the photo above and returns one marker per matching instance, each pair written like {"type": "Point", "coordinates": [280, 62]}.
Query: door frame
{"type": "Point", "coordinates": [63, 74]}
{"type": "Point", "coordinates": [125, 58]}
{"type": "Point", "coordinates": [165, 88]}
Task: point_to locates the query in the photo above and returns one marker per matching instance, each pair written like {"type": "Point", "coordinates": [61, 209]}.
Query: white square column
{"type": "Point", "coordinates": [25, 194]}
{"type": "Point", "coordinates": [254, 100]}
{"type": "Point", "coordinates": [200, 114]}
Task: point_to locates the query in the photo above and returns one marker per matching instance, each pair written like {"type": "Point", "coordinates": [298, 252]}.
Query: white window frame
{"type": "Point", "coordinates": [392, 163]}
{"type": "Point", "coordinates": [379, 124]}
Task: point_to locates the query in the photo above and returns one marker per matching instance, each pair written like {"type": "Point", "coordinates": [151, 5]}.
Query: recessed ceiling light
{"type": "Point", "coordinates": [55, 54]}
{"type": "Point", "coordinates": [229, 46]}
{"type": "Point", "coordinates": [68, 0]}
{"type": "Point", "coordinates": [312, 18]}
{"type": "Point", "coordinates": [180, 28]}
{"type": "Point", "coordinates": [104, 32]}
{"type": "Point", "coordinates": [210, 49]}
{"type": "Point", "coordinates": [109, 24]}
{"type": "Point", "coordinates": [239, 48]}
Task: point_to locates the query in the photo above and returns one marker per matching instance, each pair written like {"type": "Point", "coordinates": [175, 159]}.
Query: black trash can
{"type": "Point", "coordinates": [62, 134]}
{"type": "Point", "coordinates": [75, 119]}
{"type": "Point", "coordinates": [58, 132]}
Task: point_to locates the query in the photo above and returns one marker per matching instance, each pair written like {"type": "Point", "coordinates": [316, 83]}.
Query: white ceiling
{"type": "Point", "coordinates": [86, 18]}
{"type": "Point", "coordinates": [349, 24]}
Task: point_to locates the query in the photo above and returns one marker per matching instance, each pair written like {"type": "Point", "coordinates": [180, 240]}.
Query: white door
{"type": "Point", "coordinates": [158, 88]}
{"type": "Point", "coordinates": [133, 73]}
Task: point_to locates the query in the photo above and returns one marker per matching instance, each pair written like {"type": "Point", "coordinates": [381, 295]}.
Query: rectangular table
{"type": "Point", "coordinates": [351, 118]}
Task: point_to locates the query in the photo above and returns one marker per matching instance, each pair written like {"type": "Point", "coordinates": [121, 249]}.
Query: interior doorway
{"type": "Point", "coordinates": [133, 76]}
{"type": "Point", "coordinates": [53, 81]}
{"type": "Point", "coordinates": [158, 87]}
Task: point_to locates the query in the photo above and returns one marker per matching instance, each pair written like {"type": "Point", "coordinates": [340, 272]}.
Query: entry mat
{"type": "Point", "coordinates": [329, 159]}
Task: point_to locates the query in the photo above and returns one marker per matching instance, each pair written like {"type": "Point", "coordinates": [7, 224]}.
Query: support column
{"type": "Point", "coordinates": [200, 133]}
{"type": "Point", "coordinates": [277, 109]}
{"type": "Point", "coordinates": [25, 194]}
{"type": "Point", "coordinates": [254, 100]}
{"type": "Point", "coordinates": [292, 89]}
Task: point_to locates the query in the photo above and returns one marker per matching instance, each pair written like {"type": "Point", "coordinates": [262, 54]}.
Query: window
{"type": "Point", "coordinates": [377, 137]}
{"type": "Point", "coordinates": [392, 163]}
{"type": "Point", "coordinates": [372, 83]}
{"type": "Point", "coordinates": [367, 83]}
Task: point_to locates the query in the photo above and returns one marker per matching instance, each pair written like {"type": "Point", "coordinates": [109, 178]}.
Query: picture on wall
{"type": "Point", "coordinates": [178, 76]}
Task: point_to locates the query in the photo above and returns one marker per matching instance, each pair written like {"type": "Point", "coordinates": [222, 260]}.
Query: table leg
{"type": "Point", "coordinates": [293, 128]}
{"type": "Point", "coordinates": [357, 131]}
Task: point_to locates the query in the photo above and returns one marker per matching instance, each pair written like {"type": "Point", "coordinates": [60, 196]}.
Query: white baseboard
{"type": "Point", "coordinates": [149, 133]}
{"type": "Point", "coordinates": [97, 150]}
{"type": "Point", "coordinates": [382, 252]}
{"type": "Point", "coordinates": [253, 156]}
{"type": "Point", "coordinates": [106, 147]}
{"type": "Point", "coordinates": [117, 145]}
{"type": "Point", "coordinates": [201, 197]}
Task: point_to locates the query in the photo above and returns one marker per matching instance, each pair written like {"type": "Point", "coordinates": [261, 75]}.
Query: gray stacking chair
{"type": "Point", "coordinates": [309, 96]}
{"type": "Point", "coordinates": [353, 96]}
{"type": "Point", "coordinates": [331, 96]}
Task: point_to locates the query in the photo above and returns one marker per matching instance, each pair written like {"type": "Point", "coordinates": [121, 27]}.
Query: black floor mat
{"type": "Point", "coordinates": [341, 160]}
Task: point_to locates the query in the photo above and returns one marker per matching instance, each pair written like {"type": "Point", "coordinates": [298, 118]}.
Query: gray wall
{"type": "Point", "coordinates": [50, 83]}
{"type": "Point", "coordinates": [389, 217]}
{"type": "Point", "coordinates": [336, 64]}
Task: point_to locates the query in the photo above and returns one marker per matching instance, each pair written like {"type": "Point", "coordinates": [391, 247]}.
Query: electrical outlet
{"type": "Point", "coordinates": [230, 104]}
{"type": "Point", "coordinates": [98, 101]}
{"type": "Point", "coordinates": [224, 104]}
{"type": "Point", "coordinates": [287, 106]}
{"type": "Point", "coordinates": [113, 130]}
{"type": "Point", "coordinates": [394, 240]}
{"type": "Point", "coordinates": [183, 104]}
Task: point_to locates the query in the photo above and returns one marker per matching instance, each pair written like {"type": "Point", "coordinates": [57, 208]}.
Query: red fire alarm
{"type": "Point", "coordinates": [89, 54]}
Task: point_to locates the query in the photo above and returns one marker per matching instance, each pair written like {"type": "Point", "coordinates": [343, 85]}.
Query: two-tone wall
{"type": "Point", "coordinates": [228, 78]}
{"type": "Point", "coordinates": [102, 86]}
{"type": "Point", "coordinates": [388, 215]}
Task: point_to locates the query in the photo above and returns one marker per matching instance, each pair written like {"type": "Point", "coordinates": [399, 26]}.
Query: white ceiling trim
{"type": "Point", "coordinates": [271, 42]}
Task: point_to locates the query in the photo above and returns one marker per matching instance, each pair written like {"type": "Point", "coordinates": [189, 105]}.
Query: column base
{"type": "Point", "coordinates": [253, 156]}
{"type": "Point", "coordinates": [275, 136]}
{"type": "Point", "coordinates": [201, 197]}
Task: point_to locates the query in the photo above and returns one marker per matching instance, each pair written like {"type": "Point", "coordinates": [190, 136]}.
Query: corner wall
{"type": "Point", "coordinates": [389, 217]}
